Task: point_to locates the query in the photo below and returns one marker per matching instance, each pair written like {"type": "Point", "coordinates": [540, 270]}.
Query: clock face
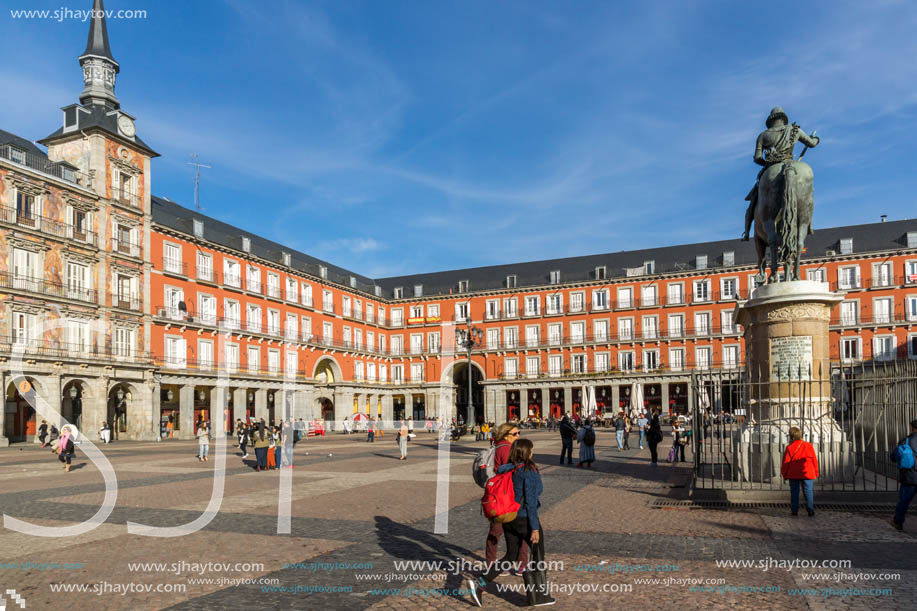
{"type": "Point", "coordinates": [126, 126]}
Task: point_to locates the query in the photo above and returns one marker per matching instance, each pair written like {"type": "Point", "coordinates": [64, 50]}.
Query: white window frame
{"type": "Point", "coordinates": [627, 361]}
{"type": "Point", "coordinates": [676, 359]}
{"type": "Point", "coordinates": [671, 297]}
{"type": "Point", "coordinates": [625, 298]}
{"type": "Point", "coordinates": [510, 368]}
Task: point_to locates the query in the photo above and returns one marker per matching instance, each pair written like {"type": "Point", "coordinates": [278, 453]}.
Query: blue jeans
{"type": "Point", "coordinates": [566, 449]}
{"type": "Point", "coordinates": [288, 455]}
{"type": "Point", "coordinates": [205, 449]}
{"type": "Point", "coordinates": [620, 437]}
{"type": "Point", "coordinates": [642, 437]}
{"type": "Point", "coordinates": [905, 496]}
{"type": "Point", "coordinates": [808, 490]}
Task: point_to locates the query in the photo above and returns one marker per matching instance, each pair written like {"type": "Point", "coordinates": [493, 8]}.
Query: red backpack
{"type": "Point", "coordinates": [499, 501]}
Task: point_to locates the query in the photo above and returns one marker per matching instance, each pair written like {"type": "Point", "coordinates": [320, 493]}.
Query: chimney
{"type": "Point", "coordinates": [883, 217]}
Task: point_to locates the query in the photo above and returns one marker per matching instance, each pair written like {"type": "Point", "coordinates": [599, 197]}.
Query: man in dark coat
{"type": "Point", "coordinates": [567, 433]}
{"type": "Point", "coordinates": [907, 479]}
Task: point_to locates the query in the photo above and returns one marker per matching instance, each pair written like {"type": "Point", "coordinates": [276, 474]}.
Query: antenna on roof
{"type": "Point", "coordinates": [197, 180]}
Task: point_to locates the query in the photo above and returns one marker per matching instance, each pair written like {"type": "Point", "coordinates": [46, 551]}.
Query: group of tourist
{"type": "Point", "coordinates": [273, 443]}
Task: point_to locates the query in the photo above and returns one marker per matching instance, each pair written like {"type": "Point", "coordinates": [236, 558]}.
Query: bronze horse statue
{"type": "Point", "coordinates": [782, 201]}
{"type": "Point", "coordinates": [783, 217]}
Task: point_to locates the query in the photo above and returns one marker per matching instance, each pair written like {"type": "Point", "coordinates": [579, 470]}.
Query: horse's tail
{"type": "Point", "coordinates": [787, 217]}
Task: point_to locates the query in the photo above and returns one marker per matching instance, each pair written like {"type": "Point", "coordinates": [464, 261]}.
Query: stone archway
{"type": "Point", "coordinates": [122, 398]}
{"type": "Point", "coordinates": [327, 370]}
{"type": "Point", "coordinates": [458, 375]}
{"type": "Point", "coordinates": [74, 396]}
{"type": "Point", "coordinates": [18, 413]}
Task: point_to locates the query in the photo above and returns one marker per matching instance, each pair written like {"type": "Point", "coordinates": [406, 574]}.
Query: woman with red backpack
{"type": "Point", "coordinates": [504, 437]}
{"type": "Point", "coordinates": [525, 528]}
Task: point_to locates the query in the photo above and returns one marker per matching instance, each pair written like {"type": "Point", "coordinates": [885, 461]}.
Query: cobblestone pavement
{"type": "Point", "coordinates": [354, 503]}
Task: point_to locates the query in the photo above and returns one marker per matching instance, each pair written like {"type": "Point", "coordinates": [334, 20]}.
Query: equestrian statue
{"type": "Point", "coordinates": [781, 201]}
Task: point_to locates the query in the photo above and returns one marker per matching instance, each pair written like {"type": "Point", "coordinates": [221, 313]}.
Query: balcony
{"type": "Point", "coordinates": [207, 274]}
{"type": "Point", "coordinates": [649, 301]}
{"type": "Point", "coordinates": [125, 247]}
{"type": "Point", "coordinates": [105, 350]}
{"type": "Point", "coordinates": [273, 291]}
{"type": "Point", "coordinates": [232, 280]}
{"type": "Point", "coordinates": [328, 307]}
{"type": "Point", "coordinates": [174, 266]}
{"type": "Point", "coordinates": [47, 226]}
{"type": "Point", "coordinates": [18, 282]}
{"type": "Point", "coordinates": [125, 301]}
{"type": "Point", "coordinates": [253, 285]}
{"type": "Point", "coordinates": [40, 163]}
{"type": "Point", "coordinates": [124, 197]}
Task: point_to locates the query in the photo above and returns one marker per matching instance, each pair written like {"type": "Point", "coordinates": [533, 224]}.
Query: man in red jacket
{"type": "Point", "coordinates": [800, 466]}
{"type": "Point", "coordinates": [504, 437]}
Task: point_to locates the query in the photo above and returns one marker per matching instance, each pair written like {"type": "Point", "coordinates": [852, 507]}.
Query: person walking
{"type": "Point", "coordinates": [43, 433]}
{"type": "Point", "coordinates": [245, 437]}
{"type": "Point", "coordinates": [271, 449]}
{"type": "Point", "coordinates": [567, 433]}
{"type": "Point", "coordinates": [903, 455]}
{"type": "Point", "coordinates": [65, 447]}
{"type": "Point", "coordinates": [642, 423]}
{"type": "Point", "coordinates": [203, 442]}
{"type": "Point", "coordinates": [526, 528]}
{"type": "Point", "coordinates": [403, 440]}
{"type": "Point", "coordinates": [620, 426]}
{"type": "Point", "coordinates": [586, 439]}
{"type": "Point", "coordinates": [653, 437]}
{"type": "Point", "coordinates": [504, 436]}
{"type": "Point", "coordinates": [679, 441]}
{"type": "Point", "coordinates": [800, 467]}
{"type": "Point", "coordinates": [627, 426]}
{"type": "Point", "coordinates": [278, 449]}
{"type": "Point", "coordinates": [262, 441]}
{"type": "Point", "coordinates": [371, 430]}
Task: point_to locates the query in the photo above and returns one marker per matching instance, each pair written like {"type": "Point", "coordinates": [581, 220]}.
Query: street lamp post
{"type": "Point", "coordinates": [468, 338]}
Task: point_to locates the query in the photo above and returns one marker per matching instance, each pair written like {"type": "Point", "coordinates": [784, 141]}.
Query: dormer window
{"type": "Point", "coordinates": [700, 262]}
{"type": "Point", "coordinates": [198, 228]}
{"type": "Point", "coordinates": [353, 282]}
{"type": "Point", "coordinates": [463, 286]}
{"type": "Point", "coordinates": [555, 277]}
{"type": "Point", "coordinates": [846, 246]}
{"type": "Point", "coordinates": [600, 272]}
{"type": "Point", "coordinates": [286, 259]}
{"type": "Point", "coordinates": [378, 291]}
{"type": "Point", "coordinates": [246, 244]}
{"type": "Point", "coordinates": [418, 290]}
{"type": "Point", "coordinates": [729, 258]}
{"type": "Point", "coordinates": [912, 239]}
{"type": "Point", "coordinates": [17, 155]}
{"type": "Point", "coordinates": [323, 272]}
{"type": "Point", "coordinates": [399, 292]}
{"type": "Point", "coordinates": [649, 268]}
{"type": "Point", "coordinates": [511, 281]}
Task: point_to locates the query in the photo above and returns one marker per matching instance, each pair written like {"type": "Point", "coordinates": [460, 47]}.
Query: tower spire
{"type": "Point", "coordinates": [99, 66]}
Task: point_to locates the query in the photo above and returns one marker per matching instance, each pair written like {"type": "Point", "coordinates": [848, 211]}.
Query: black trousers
{"type": "Point", "coordinates": [517, 533]}
{"type": "Point", "coordinates": [566, 449]}
{"type": "Point", "coordinates": [653, 454]}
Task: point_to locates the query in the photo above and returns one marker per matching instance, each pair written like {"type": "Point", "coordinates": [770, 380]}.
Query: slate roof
{"type": "Point", "coordinates": [874, 237]}
{"type": "Point", "coordinates": [104, 118]}
{"type": "Point", "coordinates": [170, 214]}
{"type": "Point", "coordinates": [27, 145]}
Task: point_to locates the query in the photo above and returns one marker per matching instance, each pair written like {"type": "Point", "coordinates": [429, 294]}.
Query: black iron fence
{"type": "Point", "coordinates": [854, 417]}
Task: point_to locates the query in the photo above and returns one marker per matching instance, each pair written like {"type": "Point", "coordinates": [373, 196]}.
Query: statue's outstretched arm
{"type": "Point", "coordinates": [809, 141]}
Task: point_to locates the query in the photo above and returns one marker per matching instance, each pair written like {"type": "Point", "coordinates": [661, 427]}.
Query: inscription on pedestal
{"type": "Point", "coordinates": [791, 358]}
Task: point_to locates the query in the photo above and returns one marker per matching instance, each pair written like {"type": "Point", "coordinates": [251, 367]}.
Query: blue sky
{"type": "Point", "coordinates": [398, 137]}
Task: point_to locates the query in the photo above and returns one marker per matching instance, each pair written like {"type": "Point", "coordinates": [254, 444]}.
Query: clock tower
{"type": "Point", "coordinates": [100, 139]}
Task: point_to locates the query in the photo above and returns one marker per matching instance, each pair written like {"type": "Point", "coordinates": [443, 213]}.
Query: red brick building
{"type": "Point", "coordinates": [158, 302]}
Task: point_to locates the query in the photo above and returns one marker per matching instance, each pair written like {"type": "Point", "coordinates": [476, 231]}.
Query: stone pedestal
{"type": "Point", "coordinates": [789, 379]}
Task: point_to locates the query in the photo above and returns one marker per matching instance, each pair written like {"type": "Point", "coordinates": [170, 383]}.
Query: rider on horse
{"type": "Point", "coordinates": [774, 145]}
